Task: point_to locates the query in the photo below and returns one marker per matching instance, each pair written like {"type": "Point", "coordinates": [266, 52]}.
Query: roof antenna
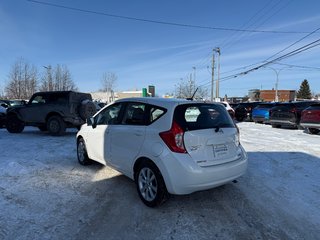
{"type": "Point", "coordinates": [191, 99]}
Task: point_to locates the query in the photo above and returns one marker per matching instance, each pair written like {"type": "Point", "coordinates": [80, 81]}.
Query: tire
{"type": "Point", "coordinates": [14, 124]}
{"type": "Point", "coordinates": [150, 184]}
{"type": "Point", "coordinates": [56, 126]}
{"type": "Point", "coordinates": [82, 154]}
{"type": "Point", "coordinates": [313, 130]}
{"type": "Point", "coordinates": [276, 126]}
{"type": "Point", "coordinates": [43, 128]}
{"type": "Point", "coordinates": [87, 109]}
{"type": "Point", "coordinates": [239, 119]}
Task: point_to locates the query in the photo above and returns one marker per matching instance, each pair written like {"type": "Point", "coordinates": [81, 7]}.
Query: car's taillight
{"type": "Point", "coordinates": [270, 112]}
{"type": "Point", "coordinates": [174, 138]}
{"type": "Point", "coordinates": [293, 110]}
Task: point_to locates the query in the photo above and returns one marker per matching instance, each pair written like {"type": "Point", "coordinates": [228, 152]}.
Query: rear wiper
{"type": "Point", "coordinates": [217, 129]}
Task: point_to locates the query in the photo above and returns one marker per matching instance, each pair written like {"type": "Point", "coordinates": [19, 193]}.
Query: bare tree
{"type": "Point", "coordinates": [186, 89]}
{"type": "Point", "coordinates": [2, 95]}
{"type": "Point", "coordinates": [23, 79]}
{"type": "Point", "coordinates": [57, 79]}
{"type": "Point", "coordinates": [109, 80]}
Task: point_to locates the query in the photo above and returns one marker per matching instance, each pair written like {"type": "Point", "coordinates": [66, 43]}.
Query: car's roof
{"type": "Point", "coordinates": [161, 101]}
{"type": "Point", "coordinates": [57, 92]}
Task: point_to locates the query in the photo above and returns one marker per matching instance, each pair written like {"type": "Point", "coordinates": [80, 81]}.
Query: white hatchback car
{"type": "Point", "coordinates": [165, 145]}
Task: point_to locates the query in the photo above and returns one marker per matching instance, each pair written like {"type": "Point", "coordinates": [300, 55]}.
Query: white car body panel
{"type": "Point", "coordinates": [212, 158]}
{"type": "Point", "coordinates": [96, 140]}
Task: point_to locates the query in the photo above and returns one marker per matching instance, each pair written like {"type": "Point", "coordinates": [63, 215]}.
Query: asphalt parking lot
{"type": "Point", "coordinates": [46, 194]}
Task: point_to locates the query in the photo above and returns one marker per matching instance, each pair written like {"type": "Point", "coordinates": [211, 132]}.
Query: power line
{"type": "Point", "coordinates": [293, 43]}
{"type": "Point", "coordinates": [234, 37]}
{"type": "Point", "coordinates": [287, 55]}
{"type": "Point", "coordinates": [316, 30]}
{"type": "Point", "coordinates": [299, 66]}
{"type": "Point", "coordinates": [257, 21]}
{"type": "Point", "coordinates": [250, 23]}
{"type": "Point", "coordinates": [162, 22]}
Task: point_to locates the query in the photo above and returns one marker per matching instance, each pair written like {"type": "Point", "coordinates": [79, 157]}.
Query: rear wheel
{"type": "Point", "coordinates": [150, 184]}
{"type": "Point", "coordinates": [239, 119]}
{"type": "Point", "coordinates": [14, 124]}
{"type": "Point", "coordinates": [82, 154]}
{"type": "Point", "coordinates": [56, 126]}
{"type": "Point", "coordinates": [313, 130]}
{"type": "Point", "coordinates": [275, 125]}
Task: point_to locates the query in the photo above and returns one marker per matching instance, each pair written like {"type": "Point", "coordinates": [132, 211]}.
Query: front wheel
{"type": "Point", "coordinates": [14, 124]}
{"type": "Point", "coordinates": [82, 154]}
{"type": "Point", "coordinates": [150, 184]}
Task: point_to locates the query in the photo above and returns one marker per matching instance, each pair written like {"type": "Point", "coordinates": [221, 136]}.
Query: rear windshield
{"type": "Point", "coordinates": [285, 105]}
{"type": "Point", "coordinates": [202, 116]}
{"type": "Point", "coordinates": [304, 104]}
{"type": "Point", "coordinates": [315, 106]}
{"type": "Point", "coordinates": [266, 105]}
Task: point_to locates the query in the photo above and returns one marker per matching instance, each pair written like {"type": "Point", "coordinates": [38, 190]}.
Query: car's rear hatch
{"type": "Point", "coordinates": [311, 114]}
{"type": "Point", "coordinates": [283, 112]}
{"type": "Point", "coordinates": [208, 147]}
{"type": "Point", "coordinates": [210, 136]}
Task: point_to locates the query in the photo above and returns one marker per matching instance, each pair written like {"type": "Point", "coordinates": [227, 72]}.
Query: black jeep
{"type": "Point", "coordinates": [51, 111]}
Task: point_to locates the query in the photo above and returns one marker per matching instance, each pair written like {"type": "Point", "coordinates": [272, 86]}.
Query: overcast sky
{"type": "Point", "coordinates": [84, 36]}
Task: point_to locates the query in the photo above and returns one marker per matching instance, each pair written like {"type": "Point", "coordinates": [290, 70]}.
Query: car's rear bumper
{"type": "Point", "coordinates": [183, 176]}
{"type": "Point", "coordinates": [259, 119]}
{"type": "Point", "coordinates": [310, 125]}
{"type": "Point", "coordinates": [289, 122]}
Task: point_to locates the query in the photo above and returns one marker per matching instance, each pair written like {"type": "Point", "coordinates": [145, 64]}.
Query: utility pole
{"type": "Point", "coordinates": [218, 79]}
{"type": "Point", "coordinates": [212, 77]}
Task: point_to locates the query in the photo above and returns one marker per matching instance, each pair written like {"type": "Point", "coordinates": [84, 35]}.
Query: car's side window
{"type": "Point", "coordinates": [155, 113]}
{"type": "Point", "coordinates": [38, 99]}
{"type": "Point", "coordinates": [109, 115]}
{"type": "Point", "coordinates": [134, 114]}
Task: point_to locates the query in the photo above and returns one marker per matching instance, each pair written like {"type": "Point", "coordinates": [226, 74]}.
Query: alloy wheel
{"type": "Point", "coordinates": [148, 186]}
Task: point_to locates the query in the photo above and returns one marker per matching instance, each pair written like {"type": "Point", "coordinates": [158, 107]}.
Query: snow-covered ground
{"type": "Point", "coordinates": [46, 194]}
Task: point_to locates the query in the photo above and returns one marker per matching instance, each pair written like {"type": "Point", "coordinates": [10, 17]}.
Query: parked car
{"type": "Point", "coordinates": [233, 105]}
{"type": "Point", "coordinates": [3, 110]}
{"type": "Point", "coordinates": [260, 114]}
{"type": "Point", "coordinates": [164, 145]}
{"type": "Point", "coordinates": [243, 111]}
{"type": "Point", "coordinates": [310, 118]}
{"type": "Point", "coordinates": [51, 111]}
{"type": "Point", "coordinates": [10, 103]}
{"type": "Point", "coordinates": [288, 114]}
{"type": "Point", "coordinates": [229, 109]}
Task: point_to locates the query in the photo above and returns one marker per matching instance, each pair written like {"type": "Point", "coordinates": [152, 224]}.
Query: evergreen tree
{"type": "Point", "coordinates": [304, 91]}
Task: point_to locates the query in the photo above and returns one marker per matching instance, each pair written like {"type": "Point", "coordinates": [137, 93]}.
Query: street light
{"type": "Point", "coordinates": [277, 72]}
{"type": "Point", "coordinates": [215, 51]}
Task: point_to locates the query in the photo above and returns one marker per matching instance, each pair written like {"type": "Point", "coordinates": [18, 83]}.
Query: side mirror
{"type": "Point", "coordinates": [91, 122]}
